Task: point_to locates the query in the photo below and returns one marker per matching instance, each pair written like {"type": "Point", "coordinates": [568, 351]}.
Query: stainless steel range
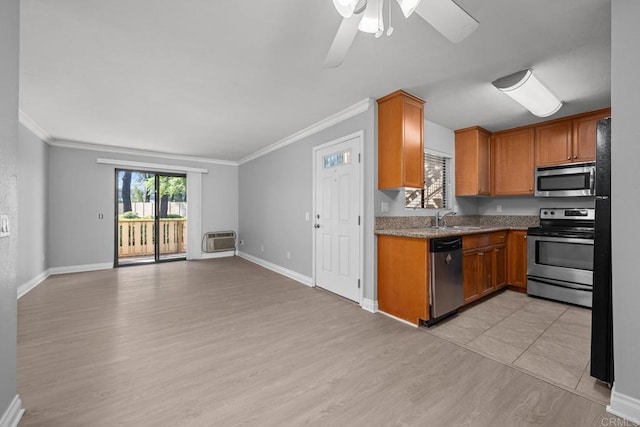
{"type": "Point", "coordinates": [560, 256]}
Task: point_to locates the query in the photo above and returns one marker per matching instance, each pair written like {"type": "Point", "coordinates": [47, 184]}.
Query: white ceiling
{"type": "Point", "coordinates": [222, 79]}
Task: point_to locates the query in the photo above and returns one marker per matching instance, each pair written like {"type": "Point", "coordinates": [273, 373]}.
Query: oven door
{"type": "Point", "coordinates": [561, 259]}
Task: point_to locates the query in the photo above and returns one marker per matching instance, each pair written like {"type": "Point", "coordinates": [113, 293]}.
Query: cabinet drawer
{"type": "Point", "coordinates": [487, 239]}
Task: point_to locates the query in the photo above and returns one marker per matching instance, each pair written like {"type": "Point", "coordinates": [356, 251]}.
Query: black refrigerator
{"type": "Point", "coordinates": [601, 314]}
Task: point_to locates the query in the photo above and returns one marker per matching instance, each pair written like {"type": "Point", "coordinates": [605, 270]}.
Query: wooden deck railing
{"type": "Point", "coordinates": [135, 237]}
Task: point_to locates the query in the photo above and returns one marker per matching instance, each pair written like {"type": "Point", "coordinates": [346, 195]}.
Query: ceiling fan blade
{"type": "Point", "coordinates": [342, 42]}
{"type": "Point", "coordinates": [448, 18]}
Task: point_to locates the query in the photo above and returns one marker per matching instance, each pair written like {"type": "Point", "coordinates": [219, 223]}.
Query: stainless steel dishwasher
{"type": "Point", "coordinates": [445, 295]}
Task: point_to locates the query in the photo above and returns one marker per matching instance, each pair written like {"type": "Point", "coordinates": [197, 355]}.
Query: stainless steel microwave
{"type": "Point", "coordinates": [568, 180]}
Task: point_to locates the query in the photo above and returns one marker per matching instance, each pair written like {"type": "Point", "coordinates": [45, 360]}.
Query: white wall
{"type": "Point", "coordinates": [625, 196]}
{"type": "Point", "coordinates": [276, 192]}
{"type": "Point", "coordinates": [80, 189]}
{"type": "Point", "coordinates": [9, 40]}
{"type": "Point", "coordinates": [33, 167]}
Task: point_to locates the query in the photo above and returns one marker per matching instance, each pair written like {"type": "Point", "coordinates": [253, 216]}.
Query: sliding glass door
{"type": "Point", "coordinates": [151, 217]}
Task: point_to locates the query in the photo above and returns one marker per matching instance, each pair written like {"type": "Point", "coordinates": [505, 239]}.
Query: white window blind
{"type": "Point", "coordinates": [435, 194]}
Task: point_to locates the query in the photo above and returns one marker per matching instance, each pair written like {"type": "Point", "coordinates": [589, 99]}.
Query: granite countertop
{"type": "Point", "coordinates": [419, 227]}
{"type": "Point", "coordinates": [430, 233]}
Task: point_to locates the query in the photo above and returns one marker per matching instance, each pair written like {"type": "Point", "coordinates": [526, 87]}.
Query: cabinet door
{"type": "Point", "coordinates": [553, 143]}
{"type": "Point", "coordinates": [471, 270]}
{"type": "Point", "coordinates": [513, 160]}
{"type": "Point", "coordinates": [473, 162]}
{"type": "Point", "coordinates": [413, 148]}
{"type": "Point", "coordinates": [517, 259]}
{"type": "Point", "coordinates": [400, 144]}
{"type": "Point", "coordinates": [486, 257]}
{"type": "Point", "coordinates": [500, 266]}
{"type": "Point", "coordinates": [403, 277]}
{"type": "Point", "coordinates": [584, 136]}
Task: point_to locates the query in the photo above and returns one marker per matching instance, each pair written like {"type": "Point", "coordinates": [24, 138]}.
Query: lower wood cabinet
{"type": "Point", "coordinates": [403, 277]}
{"type": "Point", "coordinates": [517, 259]}
{"type": "Point", "coordinates": [484, 264]}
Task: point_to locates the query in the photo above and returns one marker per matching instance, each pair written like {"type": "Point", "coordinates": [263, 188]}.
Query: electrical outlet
{"type": "Point", "coordinates": [241, 242]}
{"type": "Point", "coordinates": [384, 207]}
{"type": "Point", "coordinates": [307, 216]}
{"type": "Point", "coordinates": [5, 230]}
{"type": "Point", "coordinates": [288, 255]}
{"type": "Point", "coordinates": [261, 248]}
{"type": "Point", "coordinates": [498, 208]}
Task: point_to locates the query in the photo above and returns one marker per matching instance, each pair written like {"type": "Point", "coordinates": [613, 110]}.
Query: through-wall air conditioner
{"type": "Point", "coordinates": [217, 241]}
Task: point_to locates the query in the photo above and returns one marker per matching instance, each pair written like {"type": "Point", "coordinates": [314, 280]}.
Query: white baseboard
{"type": "Point", "coordinates": [217, 254]}
{"type": "Point", "coordinates": [13, 414]}
{"type": "Point", "coordinates": [398, 319]}
{"type": "Point", "coordinates": [369, 305]}
{"type": "Point", "coordinates": [305, 280]}
{"type": "Point", "coordinates": [81, 268]}
{"type": "Point", "coordinates": [624, 406]}
{"type": "Point", "coordinates": [31, 284]}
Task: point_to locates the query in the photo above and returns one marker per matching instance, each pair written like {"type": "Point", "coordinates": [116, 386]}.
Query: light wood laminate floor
{"type": "Point", "coordinates": [225, 342]}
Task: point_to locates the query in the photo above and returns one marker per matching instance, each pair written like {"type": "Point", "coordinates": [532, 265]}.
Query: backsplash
{"type": "Point", "coordinates": [406, 222]}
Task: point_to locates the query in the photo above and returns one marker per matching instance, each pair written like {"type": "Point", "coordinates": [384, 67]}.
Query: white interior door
{"type": "Point", "coordinates": [337, 218]}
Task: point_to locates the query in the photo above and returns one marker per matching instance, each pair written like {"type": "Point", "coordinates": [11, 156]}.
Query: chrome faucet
{"type": "Point", "coordinates": [440, 214]}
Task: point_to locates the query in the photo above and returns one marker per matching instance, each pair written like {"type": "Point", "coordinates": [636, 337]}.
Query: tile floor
{"type": "Point", "coordinates": [547, 339]}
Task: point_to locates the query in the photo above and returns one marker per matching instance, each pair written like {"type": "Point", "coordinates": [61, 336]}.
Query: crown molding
{"type": "Point", "coordinates": [332, 120]}
{"type": "Point", "coordinates": [130, 151]}
{"type": "Point", "coordinates": [34, 127]}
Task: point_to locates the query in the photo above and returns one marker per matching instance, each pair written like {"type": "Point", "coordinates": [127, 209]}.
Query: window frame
{"type": "Point", "coordinates": [447, 178]}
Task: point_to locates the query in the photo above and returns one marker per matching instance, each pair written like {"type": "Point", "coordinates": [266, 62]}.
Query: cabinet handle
{"type": "Point", "coordinates": [481, 254]}
{"type": "Point", "coordinates": [575, 157]}
{"type": "Point", "coordinates": [569, 158]}
{"type": "Point", "coordinates": [525, 237]}
{"type": "Point", "coordinates": [530, 188]}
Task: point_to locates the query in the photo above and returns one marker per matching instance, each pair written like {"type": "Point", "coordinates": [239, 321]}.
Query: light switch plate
{"type": "Point", "coordinates": [5, 230]}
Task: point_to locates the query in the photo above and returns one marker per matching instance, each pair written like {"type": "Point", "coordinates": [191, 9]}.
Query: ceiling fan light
{"type": "Point", "coordinates": [371, 20]}
{"type": "Point", "coordinates": [408, 6]}
{"type": "Point", "coordinates": [524, 88]}
{"type": "Point", "coordinates": [345, 7]}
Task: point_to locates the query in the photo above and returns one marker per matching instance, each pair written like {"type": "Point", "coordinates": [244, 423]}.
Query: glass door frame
{"type": "Point", "coordinates": [156, 215]}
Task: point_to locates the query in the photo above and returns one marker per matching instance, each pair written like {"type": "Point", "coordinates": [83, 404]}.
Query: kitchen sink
{"type": "Point", "coordinates": [455, 227]}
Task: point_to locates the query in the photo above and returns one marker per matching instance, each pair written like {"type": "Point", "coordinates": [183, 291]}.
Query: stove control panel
{"type": "Point", "coordinates": [568, 214]}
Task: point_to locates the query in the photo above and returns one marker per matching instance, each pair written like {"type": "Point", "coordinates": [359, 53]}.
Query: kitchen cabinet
{"type": "Point", "coordinates": [517, 259]}
{"type": "Point", "coordinates": [513, 162]}
{"type": "Point", "coordinates": [568, 140]}
{"type": "Point", "coordinates": [473, 161]}
{"type": "Point", "coordinates": [584, 135]}
{"type": "Point", "coordinates": [403, 277]}
{"type": "Point", "coordinates": [400, 141]}
{"type": "Point", "coordinates": [554, 143]}
{"type": "Point", "coordinates": [484, 264]}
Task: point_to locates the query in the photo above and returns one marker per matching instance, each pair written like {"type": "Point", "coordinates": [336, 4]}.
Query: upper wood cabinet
{"type": "Point", "coordinates": [513, 162]}
{"type": "Point", "coordinates": [400, 141]}
{"type": "Point", "coordinates": [585, 135]}
{"type": "Point", "coordinates": [473, 162]}
{"type": "Point", "coordinates": [568, 140]}
{"type": "Point", "coordinates": [554, 143]}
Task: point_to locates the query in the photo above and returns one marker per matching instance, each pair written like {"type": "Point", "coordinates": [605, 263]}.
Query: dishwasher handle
{"type": "Point", "coordinates": [446, 244]}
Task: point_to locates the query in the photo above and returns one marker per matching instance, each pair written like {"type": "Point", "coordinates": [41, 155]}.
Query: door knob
{"type": "Point", "coordinates": [316, 225]}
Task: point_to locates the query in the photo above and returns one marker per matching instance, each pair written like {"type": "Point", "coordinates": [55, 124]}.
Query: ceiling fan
{"type": "Point", "coordinates": [366, 15]}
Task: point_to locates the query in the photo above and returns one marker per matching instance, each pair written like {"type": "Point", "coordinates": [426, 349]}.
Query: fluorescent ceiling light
{"type": "Point", "coordinates": [529, 92]}
{"type": "Point", "coordinates": [408, 6]}
{"type": "Point", "coordinates": [372, 19]}
{"type": "Point", "coordinates": [345, 7]}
